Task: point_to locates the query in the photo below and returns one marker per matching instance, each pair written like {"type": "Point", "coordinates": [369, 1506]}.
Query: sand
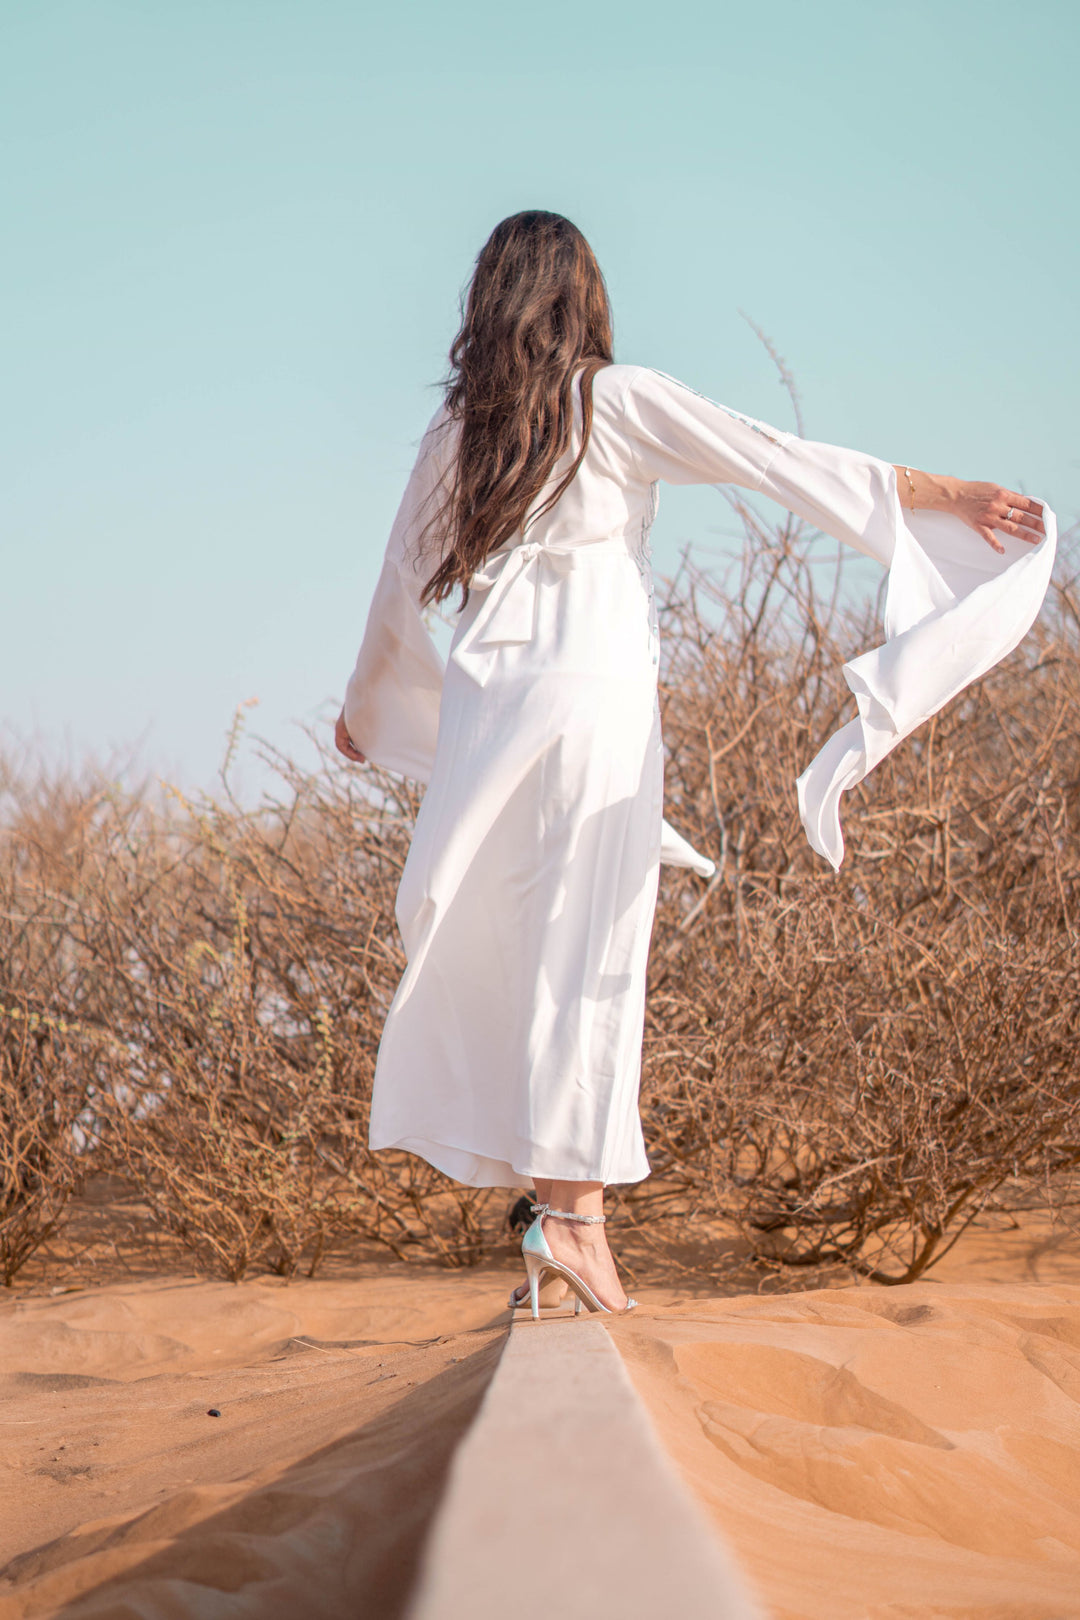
{"type": "Point", "coordinates": [887, 1452]}
{"type": "Point", "coordinates": [866, 1451]}
{"type": "Point", "coordinates": [340, 1405]}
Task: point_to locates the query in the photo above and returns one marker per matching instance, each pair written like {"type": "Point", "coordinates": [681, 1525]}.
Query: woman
{"type": "Point", "coordinates": [511, 1054]}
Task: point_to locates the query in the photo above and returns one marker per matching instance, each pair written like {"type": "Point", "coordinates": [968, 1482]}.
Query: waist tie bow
{"type": "Point", "coordinates": [510, 580]}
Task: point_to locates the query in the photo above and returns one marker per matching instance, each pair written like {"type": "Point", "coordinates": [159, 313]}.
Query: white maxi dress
{"type": "Point", "coordinates": [512, 1048]}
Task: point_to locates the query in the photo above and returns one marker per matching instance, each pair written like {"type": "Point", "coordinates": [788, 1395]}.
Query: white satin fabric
{"type": "Point", "coordinates": [953, 609]}
{"type": "Point", "coordinates": [512, 1048]}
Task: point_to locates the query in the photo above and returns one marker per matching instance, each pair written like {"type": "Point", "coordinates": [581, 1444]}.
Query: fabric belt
{"type": "Point", "coordinates": [510, 580]}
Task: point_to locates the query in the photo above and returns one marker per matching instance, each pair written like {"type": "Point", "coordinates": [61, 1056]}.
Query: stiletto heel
{"type": "Point", "coordinates": [538, 1258]}
{"type": "Point", "coordinates": [534, 1268]}
{"type": "Point", "coordinates": [554, 1287]}
{"type": "Point", "coordinates": [518, 1302]}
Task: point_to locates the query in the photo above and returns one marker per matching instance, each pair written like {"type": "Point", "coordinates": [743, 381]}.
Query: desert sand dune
{"type": "Point", "coordinates": [867, 1452]}
{"type": "Point", "coordinates": [887, 1452]}
{"type": "Point", "coordinates": [340, 1406]}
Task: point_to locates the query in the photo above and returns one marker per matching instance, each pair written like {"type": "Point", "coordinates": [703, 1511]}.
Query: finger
{"type": "Point", "coordinates": [991, 539]}
{"type": "Point", "coordinates": [344, 743]}
{"type": "Point", "coordinates": [1022, 510]}
{"type": "Point", "coordinates": [1021, 531]}
{"type": "Point", "coordinates": [1022, 503]}
{"type": "Point", "coordinates": [1020, 524]}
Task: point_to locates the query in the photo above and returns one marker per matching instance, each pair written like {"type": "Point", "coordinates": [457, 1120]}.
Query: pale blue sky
{"type": "Point", "coordinates": [236, 232]}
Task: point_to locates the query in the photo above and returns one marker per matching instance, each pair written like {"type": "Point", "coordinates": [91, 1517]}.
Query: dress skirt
{"type": "Point", "coordinates": [513, 1045]}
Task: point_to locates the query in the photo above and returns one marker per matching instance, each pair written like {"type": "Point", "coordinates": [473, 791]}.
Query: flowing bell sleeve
{"type": "Point", "coordinates": [953, 607]}
{"type": "Point", "coordinates": [393, 694]}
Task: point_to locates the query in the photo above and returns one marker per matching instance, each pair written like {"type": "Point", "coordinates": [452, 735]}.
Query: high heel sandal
{"type": "Point", "coordinates": [556, 1287]}
{"type": "Point", "coordinates": [539, 1258]}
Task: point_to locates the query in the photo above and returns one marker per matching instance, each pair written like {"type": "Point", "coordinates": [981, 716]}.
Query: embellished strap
{"type": "Point", "coordinates": [568, 1215]}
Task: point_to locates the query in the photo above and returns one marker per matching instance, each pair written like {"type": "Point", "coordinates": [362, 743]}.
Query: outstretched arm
{"type": "Point", "coordinates": [684, 438]}
{"type": "Point", "coordinates": [949, 615]}
{"type": "Point", "coordinates": [983, 507]}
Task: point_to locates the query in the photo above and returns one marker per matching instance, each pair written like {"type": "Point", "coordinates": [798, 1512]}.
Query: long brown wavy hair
{"type": "Point", "coordinates": [535, 313]}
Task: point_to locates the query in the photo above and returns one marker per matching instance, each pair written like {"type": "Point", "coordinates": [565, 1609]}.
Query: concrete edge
{"type": "Point", "coordinates": [561, 1489]}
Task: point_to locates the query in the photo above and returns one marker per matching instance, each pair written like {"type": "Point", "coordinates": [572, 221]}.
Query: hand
{"type": "Point", "coordinates": [986, 507]}
{"type": "Point", "coordinates": [344, 743]}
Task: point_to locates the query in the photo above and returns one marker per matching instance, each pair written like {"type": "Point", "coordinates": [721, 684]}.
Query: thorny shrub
{"type": "Point", "coordinates": [849, 1066]}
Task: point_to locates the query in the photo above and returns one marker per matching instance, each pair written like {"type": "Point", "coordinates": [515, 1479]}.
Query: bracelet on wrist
{"type": "Point", "coordinates": [911, 486]}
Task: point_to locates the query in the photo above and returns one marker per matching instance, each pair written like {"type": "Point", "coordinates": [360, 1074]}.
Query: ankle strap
{"type": "Point", "coordinates": [568, 1215]}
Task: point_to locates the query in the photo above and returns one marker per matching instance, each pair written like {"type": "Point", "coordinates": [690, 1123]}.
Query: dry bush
{"type": "Point", "coordinates": [49, 1056]}
{"type": "Point", "coordinates": [258, 955]}
{"type": "Point", "coordinates": [41, 1094]}
{"type": "Point", "coordinates": [849, 1066]}
{"type": "Point", "coordinates": [846, 1067]}
{"type": "Point", "coordinates": [230, 971]}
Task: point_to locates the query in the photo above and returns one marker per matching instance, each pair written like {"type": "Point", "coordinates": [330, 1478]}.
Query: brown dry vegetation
{"type": "Point", "coordinates": [851, 1066]}
{"type": "Point", "coordinates": [845, 1067]}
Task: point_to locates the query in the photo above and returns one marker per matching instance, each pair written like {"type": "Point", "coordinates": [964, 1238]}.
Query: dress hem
{"type": "Point", "coordinates": [479, 1170]}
